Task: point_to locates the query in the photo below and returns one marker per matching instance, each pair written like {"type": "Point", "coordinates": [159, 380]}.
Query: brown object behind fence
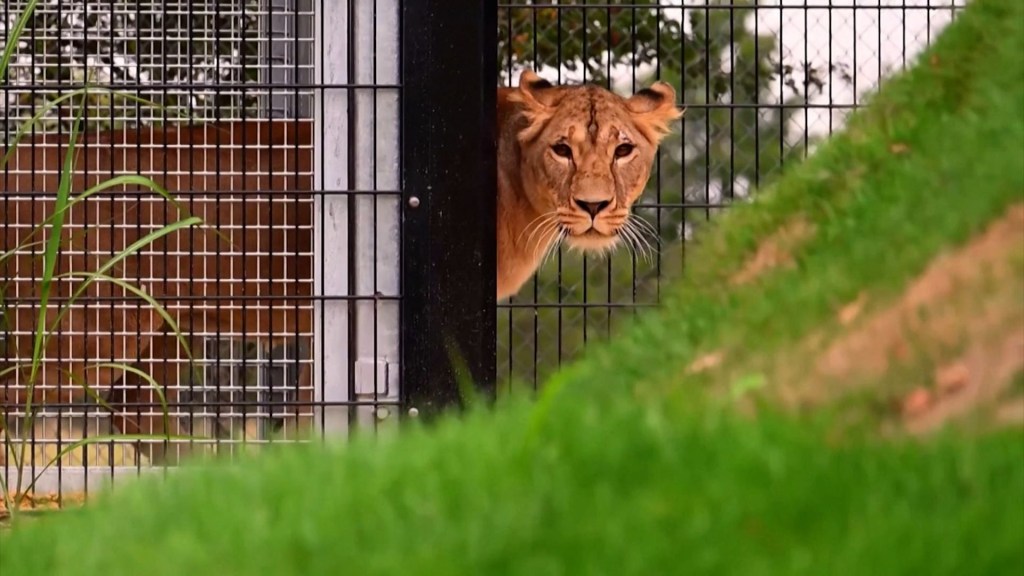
{"type": "Point", "coordinates": [249, 180]}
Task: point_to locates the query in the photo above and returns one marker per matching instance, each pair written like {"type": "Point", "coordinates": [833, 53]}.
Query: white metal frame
{"type": "Point", "coordinates": [373, 37]}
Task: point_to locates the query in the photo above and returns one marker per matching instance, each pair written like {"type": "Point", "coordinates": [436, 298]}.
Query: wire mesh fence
{"type": "Point", "coordinates": [208, 337]}
{"type": "Point", "coordinates": [190, 57]}
{"type": "Point", "coordinates": [278, 122]}
{"type": "Point", "coordinates": [762, 82]}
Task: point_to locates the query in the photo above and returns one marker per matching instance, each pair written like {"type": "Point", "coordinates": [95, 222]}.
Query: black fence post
{"type": "Point", "coordinates": [449, 79]}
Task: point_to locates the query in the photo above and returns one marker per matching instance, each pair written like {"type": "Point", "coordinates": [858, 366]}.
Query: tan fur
{"type": "Point", "coordinates": [540, 191]}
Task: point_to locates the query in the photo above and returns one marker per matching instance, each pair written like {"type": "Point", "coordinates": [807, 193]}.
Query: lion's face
{"type": "Point", "coordinates": [588, 155]}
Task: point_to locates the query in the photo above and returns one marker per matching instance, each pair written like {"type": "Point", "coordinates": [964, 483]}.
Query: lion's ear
{"type": "Point", "coordinates": [654, 110]}
{"type": "Point", "coordinates": [537, 96]}
{"type": "Point", "coordinates": [535, 91]}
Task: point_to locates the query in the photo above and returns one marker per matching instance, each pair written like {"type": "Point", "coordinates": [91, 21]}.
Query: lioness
{"type": "Point", "coordinates": [572, 160]}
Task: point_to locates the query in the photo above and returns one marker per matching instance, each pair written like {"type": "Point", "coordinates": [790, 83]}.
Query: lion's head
{"type": "Point", "coordinates": [587, 154]}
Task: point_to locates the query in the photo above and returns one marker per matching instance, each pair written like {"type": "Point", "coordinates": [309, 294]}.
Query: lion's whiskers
{"type": "Point", "coordinates": [646, 226]}
{"type": "Point", "coordinates": [556, 240]}
{"type": "Point", "coordinates": [629, 239]}
{"type": "Point", "coordinates": [551, 220]}
{"type": "Point", "coordinates": [545, 234]}
{"type": "Point", "coordinates": [638, 233]}
{"type": "Point", "coordinates": [537, 222]}
{"type": "Point", "coordinates": [647, 233]}
{"type": "Point", "coordinates": [634, 241]}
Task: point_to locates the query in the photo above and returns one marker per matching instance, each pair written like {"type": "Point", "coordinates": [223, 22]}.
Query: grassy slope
{"type": "Point", "coordinates": [669, 481]}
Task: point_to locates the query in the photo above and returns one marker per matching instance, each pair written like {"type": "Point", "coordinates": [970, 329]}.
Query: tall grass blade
{"type": "Point", "coordinates": [14, 37]}
{"type": "Point", "coordinates": [44, 109]}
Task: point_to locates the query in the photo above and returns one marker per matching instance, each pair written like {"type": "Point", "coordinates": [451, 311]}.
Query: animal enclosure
{"type": "Point", "coordinates": [761, 81]}
{"type": "Point", "coordinates": [337, 155]}
{"type": "Point", "coordinates": [275, 318]}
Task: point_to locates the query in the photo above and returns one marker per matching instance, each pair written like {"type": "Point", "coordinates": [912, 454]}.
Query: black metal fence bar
{"type": "Point", "coordinates": [376, 245]}
{"type": "Point", "coordinates": [359, 247]}
{"type": "Point", "coordinates": [448, 323]}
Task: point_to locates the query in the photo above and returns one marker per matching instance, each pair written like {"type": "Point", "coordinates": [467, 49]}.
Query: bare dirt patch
{"type": "Point", "coordinates": [31, 502]}
{"type": "Point", "coordinates": [963, 317]}
{"type": "Point", "coordinates": [706, 362]}
{"type": "Point", "coordinates": [775, 252]}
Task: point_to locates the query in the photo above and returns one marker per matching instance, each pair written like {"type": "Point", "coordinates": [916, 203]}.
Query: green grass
{"type": "Point", "coordinates": [1017, 388]}
{"type": "Point", "coordinates": [625, 465]}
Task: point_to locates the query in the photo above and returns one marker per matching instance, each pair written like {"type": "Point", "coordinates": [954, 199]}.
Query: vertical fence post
{"type": "Point", "coordinates": [377, 207]}
{"type": "Point", "coordinates": [331, 215]}
{"type": "Point", "coordinates": [449, 68]}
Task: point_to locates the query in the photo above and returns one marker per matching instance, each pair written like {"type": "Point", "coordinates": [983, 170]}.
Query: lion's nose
{"type": "Point", "coordinates": [593, 208]}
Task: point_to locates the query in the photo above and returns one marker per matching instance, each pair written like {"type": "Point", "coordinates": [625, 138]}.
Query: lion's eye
{"type": "Point", "coordinates": [623, 150]}
{"type": "Point", "coordinates": [562, 150]}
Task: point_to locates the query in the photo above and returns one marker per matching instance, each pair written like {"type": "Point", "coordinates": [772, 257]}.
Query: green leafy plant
{"type": "Point", "coordinates": [50, 230]}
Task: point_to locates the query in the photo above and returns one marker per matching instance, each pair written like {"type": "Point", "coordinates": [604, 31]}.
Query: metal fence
{"type": "Point", "coordinates": [344, 153]}
{"type": "Point", "coordinates": [762, 83]}
{"type": "Point", "coordinates": [277, 123]}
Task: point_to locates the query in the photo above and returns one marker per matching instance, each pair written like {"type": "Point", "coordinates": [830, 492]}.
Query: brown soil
{"type": "Point", "coordinates": [39, 502]}
{"type": "Point", "coordinates": [706, 362]}
{"type": "Point", "coordinates": [775, 252]}
{"type": "Point", "coordinates": [964, 315]}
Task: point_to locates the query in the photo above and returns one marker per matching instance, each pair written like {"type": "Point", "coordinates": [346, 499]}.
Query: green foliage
{"type": "Point", "coordinates": [626, 490]}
